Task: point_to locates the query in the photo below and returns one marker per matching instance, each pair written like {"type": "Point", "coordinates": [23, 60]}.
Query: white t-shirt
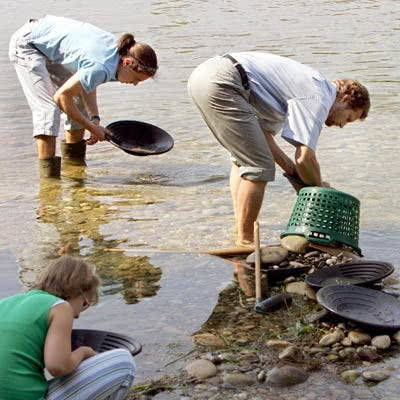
{"type": "Point", "coordinates": [288, 96]}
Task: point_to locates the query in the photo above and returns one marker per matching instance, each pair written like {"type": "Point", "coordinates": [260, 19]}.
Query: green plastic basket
{"type": "Point", "coordinates": [325, 216]}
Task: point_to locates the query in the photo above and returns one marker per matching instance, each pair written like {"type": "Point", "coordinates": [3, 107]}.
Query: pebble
{"type": "Point", "coordinates": [346, 342]}
{"type": "Point", "coordinates": [270, 255]}
{"type": "Point", "coordinates": [278, 343]}
{"type": "Point", "coordinates": [396, 337]}
{"type": "Point", "coordinates": [332, 338]}
{"type": "Point", "coordinates": [314, 253]}
{"type": "Point", "coordinates": [295, 243]}
{"type": "Point", "coordinates": [368, 353]}
{"type": "Point", "coordinates": [300, 288]}
{"type": "Point", "coordinates": [376, 376]}
{"type": "Point", "coordinates": [351, 375]}
{"type": "Point", "coordinates": [208, 339]}
{"type": "Point", "coordinates": [286, 376]}
{"type": "Point", "coordinates": [238, 379]}
{"type": "Point", "coordinates": [359, 337]}
{"type": "Point", "coordinates": [296, 264]}
{"type": "Point", "coordinates": [290, 352]}
{"type": "Point", "coordinates": [381, 342]}
{"type": "Point", "coordinates": [261, 376]}
{"type": "Point", "coordinates": [201, 369]}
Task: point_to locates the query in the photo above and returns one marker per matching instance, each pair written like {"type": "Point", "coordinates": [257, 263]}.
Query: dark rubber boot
{"type": "Point", "coordinates": [50, 167]}
{"type": "Point", "coordinates": [74, 153]}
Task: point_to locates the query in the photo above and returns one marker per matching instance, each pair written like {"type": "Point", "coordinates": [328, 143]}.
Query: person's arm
{"type": "Point", "coordinates": [307, 166]}
{"type": "Point", "coordinates": [64, 98]}
{"type": "Point", "coordinates": [90, 102]}
{"type": "Point", "coordinates": [279, 156]}
{"type": "Point", "coordinates": [58, 357]}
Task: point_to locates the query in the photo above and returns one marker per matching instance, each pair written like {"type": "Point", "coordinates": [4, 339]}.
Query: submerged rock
{"type": "Point", "coordinates": [376, 376]}
{"type": "Point", "coordinates": [351, 375]}
{"type": "Point", "coordinates": [286, 376]}
{"type": "Point", "coordinates": [201, 369]}
{"type": "Point", "coordinates": [238, 379]}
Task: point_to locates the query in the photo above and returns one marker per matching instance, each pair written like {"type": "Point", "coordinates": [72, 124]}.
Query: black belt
{"type": "Point", "coordinates": [242, 72]}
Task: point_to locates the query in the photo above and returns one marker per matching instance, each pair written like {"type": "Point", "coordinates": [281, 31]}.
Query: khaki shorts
{"type": "Point", "coordinates": [40, 79]}
{"type": "Point", "coordinates": [216, 88]}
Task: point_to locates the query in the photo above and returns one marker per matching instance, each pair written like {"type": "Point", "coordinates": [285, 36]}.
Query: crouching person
{"type": "Point", "coordinates": [35, 333]}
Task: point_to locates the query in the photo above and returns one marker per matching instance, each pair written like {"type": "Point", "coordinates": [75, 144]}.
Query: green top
{"type": "Point", "coordinates": [23, 330]}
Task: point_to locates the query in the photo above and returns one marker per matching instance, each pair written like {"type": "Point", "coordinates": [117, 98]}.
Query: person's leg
{"type": "Point", "coordinates": [106, 376]}
{"type": "Point", "coordinates": [234, 182]}
{"type": "Point", "coordinates": [249, 200]}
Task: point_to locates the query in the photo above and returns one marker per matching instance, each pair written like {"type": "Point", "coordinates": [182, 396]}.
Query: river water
{"type": "Point", "coordinates": [180, 200]}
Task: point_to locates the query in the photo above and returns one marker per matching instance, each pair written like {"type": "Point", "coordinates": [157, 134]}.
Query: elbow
{"type": "Point", "coordinates": [58, 370]}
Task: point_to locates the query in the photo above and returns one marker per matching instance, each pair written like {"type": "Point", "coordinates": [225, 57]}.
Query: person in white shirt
{"type": "Point", "coordinates": [246, 98]}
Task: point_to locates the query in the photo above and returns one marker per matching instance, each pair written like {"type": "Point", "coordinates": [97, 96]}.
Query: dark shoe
{"type": "Point", "coordinates": [74, 153]}
{"type": "Point", "coordinates": [50, 167]}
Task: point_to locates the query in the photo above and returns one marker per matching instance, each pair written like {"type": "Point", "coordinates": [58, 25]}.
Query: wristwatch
{"type": "Point", "coordinates": [92, 117]}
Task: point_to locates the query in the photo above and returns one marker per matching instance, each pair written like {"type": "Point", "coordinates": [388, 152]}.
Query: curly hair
{"type": "Point", "coordinates": [359, 96]}
{"type": "Point", "coordinates": [69, 277]}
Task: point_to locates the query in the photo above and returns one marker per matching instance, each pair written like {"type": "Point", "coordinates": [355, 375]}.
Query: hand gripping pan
{"type": "Point", "coordinates": [139, 138]}
{"type": "Point", "coordinates": [366, 306]}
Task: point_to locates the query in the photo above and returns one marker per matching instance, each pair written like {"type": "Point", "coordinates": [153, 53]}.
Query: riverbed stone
{"type": "Point", "coordinates": [368, 353]}
{"type": "Point", "coordinates": [396, 337]}
{"type": "Point", "coordinates": [376, 376]}
{"type": "Point", "coordinates": [201, 369]}
{"type": "Point", "coordinates": [238, 379]}
{"type": "Point", "coordinates": [381, 342]}
{"type": "Point", "coordinates": [286, 376]}
{"type": "Point", "coordinates": [276, 343]}
{"type": "Point", "coordinates": [300, 288]}
{"type": "Point", "coordinates": [332, 338]}
{"type": "Point", "coordinates": [208, 339]}
{"type": "Point", "coordinates": [270, 255]}
{"type": "Point", "coordinates": [346, 342]}
{"type": "Point", "coordinates": [290, 353]}
{"type": "Point", "coordinates": [351, 375]}
{"type": "Point", "coordinates": [359, 337]}
{"type": "Point", "coordinates": [295, 243]}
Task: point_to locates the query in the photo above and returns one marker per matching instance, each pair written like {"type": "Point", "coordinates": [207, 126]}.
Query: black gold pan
{"type": "Point", "coordinates": [139, 138]}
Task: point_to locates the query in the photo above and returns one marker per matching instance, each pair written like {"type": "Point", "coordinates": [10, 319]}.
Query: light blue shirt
{"type": "Point", "coordinates": [288, 96]}
{"type": "Point", "coordinates": [78, 46]}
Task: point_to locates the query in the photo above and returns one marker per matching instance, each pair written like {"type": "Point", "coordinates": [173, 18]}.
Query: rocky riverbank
{"type": "Point", "coordinates": [298, 352]}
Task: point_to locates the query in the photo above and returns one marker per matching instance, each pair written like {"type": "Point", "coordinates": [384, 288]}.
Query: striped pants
{"type": "Point", "coordinates": [105, 376]}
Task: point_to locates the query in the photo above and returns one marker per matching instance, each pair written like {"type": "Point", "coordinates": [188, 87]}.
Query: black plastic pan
{"type": "Point", "coordinates": [362, 273]}
{"type": "Point", "coordinates": [139, 138]}
{"type": "Point", "coordinates": [101, 341]}
{"type": "Point", "coordinates": [367, 306]}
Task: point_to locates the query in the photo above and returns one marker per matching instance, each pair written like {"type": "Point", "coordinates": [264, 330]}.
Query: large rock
{"type": "Point", "coordinates": [332, 338]}
{"type": "Point", "coordinates": [270, 255]}
{"type": "Point", "coordinates": [201, 369]}
{"type": "Point", "coordinates": [286, 376]}
{"type": "Point", "coordinates": [295, 243]}
{"type": "Point", "coordinates": [300, 288]}
{"type": "Point", "coordinates": [359, 337]}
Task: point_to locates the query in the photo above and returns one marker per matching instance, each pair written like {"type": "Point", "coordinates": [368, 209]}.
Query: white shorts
{"type": "Point", "coordinates": [40, 79]}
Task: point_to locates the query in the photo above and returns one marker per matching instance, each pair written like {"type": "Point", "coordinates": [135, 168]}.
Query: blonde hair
{"type": "Point", "coordinates": [69, 277]}
{"type": "Point", "coordinates": [359, 96]}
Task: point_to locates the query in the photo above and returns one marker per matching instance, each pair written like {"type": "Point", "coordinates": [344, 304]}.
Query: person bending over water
{"type": "Point", "coordinates": [247, 98]}
{"type": "Point", "coordinates": [35, 333]}
{"type": "Point", "coordinates": [60, 62]}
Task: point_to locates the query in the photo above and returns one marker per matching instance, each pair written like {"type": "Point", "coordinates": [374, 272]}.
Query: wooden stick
{"type": "Point", "coordinates": [257, 261]}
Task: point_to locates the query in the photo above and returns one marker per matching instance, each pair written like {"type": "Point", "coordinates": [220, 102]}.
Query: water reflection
{"type": "Point", "coordinates": [76, 215]}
